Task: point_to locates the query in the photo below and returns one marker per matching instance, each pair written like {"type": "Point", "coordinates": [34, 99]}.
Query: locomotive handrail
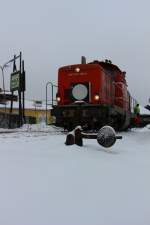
{"type": "Point", "coordinates": [133, 102]}
{"type": "Point", "coordinates": [52, 89]}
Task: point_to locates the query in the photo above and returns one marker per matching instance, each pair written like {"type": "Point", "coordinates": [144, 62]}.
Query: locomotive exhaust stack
{"type": "Point", "coordinates": [83, 60]}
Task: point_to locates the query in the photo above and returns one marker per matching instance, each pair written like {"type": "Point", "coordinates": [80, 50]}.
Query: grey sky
{"type": "Point", "coordinates": [55, 33]}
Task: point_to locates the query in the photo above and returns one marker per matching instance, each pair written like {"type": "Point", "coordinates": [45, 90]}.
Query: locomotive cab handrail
{"type": "Point", "coordinates": [52, 96]}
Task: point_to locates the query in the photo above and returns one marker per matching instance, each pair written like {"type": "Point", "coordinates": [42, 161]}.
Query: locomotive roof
{"type": "Point", "coordinates": [106, 65]}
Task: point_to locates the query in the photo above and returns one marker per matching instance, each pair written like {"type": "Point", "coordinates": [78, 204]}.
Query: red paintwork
{"type": "Point", "coordinates": [111, 87]}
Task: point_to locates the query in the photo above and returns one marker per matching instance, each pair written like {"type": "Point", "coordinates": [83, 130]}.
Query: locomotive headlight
{"type": "Point", "coordinates": [58, 99]}
{"type": "Point", "coordinates": [77, 69]}
{"type": "Point", "coordinates": [96, 97]}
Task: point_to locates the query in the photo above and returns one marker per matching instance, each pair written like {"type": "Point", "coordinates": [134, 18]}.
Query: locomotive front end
{"type": "Point", "coordinates": [79, 90]}
{"type": "Point", "coordinates": [75, 83]}
{"type": "Point", "coordinates": [92, 95]}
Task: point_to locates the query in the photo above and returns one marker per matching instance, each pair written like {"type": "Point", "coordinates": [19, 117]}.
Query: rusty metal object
{"type": "Point", "coordinates": [106, 137]}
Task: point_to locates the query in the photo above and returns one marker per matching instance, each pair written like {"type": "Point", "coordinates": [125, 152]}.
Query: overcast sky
{"type": "Point", "coordinates": [51, 34]}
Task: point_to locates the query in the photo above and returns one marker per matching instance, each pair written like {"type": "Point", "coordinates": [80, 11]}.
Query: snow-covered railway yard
{"type": "Point", "coordinates": [45, 182]}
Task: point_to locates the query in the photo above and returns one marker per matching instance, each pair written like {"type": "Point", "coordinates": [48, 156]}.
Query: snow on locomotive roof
{"type": "Point", "coordinates": [106, 65]}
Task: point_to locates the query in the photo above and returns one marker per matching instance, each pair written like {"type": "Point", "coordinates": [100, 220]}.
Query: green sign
{"type": "Point", "coordinates": [15, 81]}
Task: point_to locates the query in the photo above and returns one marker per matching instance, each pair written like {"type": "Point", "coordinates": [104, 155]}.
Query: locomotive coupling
{"type": "Point", "coordinates": [105, 137]}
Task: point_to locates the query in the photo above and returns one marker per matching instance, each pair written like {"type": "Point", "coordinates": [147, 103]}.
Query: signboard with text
{"type": "Point", "coordinates": [15, 81]}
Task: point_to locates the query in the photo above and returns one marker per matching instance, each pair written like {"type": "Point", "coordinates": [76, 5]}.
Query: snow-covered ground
{"type": "Point", "coordinates": [44, 182]}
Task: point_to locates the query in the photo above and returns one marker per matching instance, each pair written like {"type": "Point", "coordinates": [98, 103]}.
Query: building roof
{"type": "Point", "coordinates": [28, 105]}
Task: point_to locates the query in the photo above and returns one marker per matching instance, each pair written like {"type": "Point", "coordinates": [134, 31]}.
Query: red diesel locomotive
{"type": "Point", "coordinates": [92, 95]}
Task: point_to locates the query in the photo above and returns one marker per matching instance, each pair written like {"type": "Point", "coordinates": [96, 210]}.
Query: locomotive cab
{"type": "Point", "coordinates": [75, 83]}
